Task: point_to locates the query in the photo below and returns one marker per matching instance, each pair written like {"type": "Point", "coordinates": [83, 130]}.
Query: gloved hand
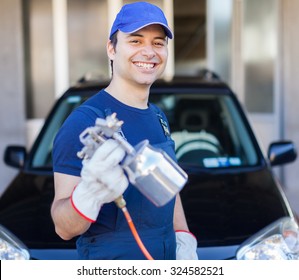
{"type": "Point", "coordinates": [102, 180]}
{"type": "Point", "coordinates": [186, 245]}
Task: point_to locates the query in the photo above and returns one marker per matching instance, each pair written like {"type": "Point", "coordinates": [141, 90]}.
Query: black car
{"type": "Point", "coordinates": [231, 193]}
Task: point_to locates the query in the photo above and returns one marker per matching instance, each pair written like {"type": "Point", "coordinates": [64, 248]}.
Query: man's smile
{"type": "Point", "coordinates": [145, 65]}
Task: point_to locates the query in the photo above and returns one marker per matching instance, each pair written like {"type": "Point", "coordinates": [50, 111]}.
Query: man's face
{"type": "Point", "coordinates": [140, 57]}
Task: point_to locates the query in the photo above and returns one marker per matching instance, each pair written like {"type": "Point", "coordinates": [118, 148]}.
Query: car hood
{"type": "Point", "coordinates": [222, 209]}
{"type": "Point", "coordinates": [225, 208]}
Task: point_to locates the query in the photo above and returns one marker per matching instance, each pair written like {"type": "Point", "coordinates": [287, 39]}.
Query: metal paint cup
{"type": "Point", "coordinates": [154, 173]}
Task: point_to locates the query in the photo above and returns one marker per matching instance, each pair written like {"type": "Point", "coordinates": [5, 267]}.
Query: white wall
{"type": "Point", "coordinates": [12, 115]}
{"type": "Point", "coordinates": [290, 89]}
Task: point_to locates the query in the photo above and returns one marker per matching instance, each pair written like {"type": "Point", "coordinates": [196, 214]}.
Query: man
{"type": "Point", "coordinates": [137, 49]}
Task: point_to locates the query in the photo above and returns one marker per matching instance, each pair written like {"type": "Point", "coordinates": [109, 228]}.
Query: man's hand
{"type": "Point", "coordinates": [102, 180]}
{"type": "Point", "coordinates": [186, 246]}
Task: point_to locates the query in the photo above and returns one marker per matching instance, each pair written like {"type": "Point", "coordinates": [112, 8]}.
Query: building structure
{"type": "Point", "coordinates": [46, 45]}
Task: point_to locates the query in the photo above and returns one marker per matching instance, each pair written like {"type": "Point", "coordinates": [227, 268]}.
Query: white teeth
{"type": "Point", "coordinates": [145, 65]}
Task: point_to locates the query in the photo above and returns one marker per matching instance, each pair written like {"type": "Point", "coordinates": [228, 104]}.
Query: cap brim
{"type": "Point", "coordinates": [135, 27]}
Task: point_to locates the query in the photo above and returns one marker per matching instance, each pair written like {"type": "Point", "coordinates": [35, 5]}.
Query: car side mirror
{"type": "Point", "coordinates": [282, 152]}
{"type": "Point", "coordinates": [15, 156]}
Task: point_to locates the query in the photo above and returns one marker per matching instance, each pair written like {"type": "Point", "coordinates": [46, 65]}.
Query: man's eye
{"type": "Point", "coordinates": [160, 44]}
{"type": "Point", "coordinates": [134, 41]}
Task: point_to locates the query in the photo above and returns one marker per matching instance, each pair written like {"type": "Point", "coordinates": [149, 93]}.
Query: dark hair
{"type": "Point", "coordinates": [114, 43]}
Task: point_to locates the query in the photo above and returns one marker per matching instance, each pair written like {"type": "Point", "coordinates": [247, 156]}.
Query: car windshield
{"type": "Point", "coordinates": [207, 129]}
{"type": "Point", "coordinates": [42, 156]}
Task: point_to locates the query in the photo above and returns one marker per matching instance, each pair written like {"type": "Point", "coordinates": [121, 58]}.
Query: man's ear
{"type": "Point", "coordinates": [110, 50]}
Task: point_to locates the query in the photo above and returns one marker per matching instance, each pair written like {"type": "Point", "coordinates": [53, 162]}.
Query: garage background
{"type": "Point", "coordinates": [47, 45]}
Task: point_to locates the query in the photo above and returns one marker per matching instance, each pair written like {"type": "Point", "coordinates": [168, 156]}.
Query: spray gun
{"type": "Point", "coordinates": [150, 170]}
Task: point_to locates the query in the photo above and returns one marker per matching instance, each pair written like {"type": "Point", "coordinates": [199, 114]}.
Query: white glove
{"type": "Point", "coordinates": [186, 245]}
{"type": "Point", "coordinates": [102, 180]}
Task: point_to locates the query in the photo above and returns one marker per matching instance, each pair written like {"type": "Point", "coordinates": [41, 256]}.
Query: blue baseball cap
{"type": "Point", "coordinates": [137, 15]}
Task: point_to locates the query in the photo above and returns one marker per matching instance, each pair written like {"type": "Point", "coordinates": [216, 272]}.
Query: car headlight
{"type": "Point", "coordinates": [278, 241]}
{"type": "Point", "coordinates": [11, 248]}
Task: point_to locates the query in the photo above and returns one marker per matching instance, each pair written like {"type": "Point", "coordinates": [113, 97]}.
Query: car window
{"type": "Point", "coordinates": [208, 130]}
{"type": "Point", "coordinates": [42, 157]}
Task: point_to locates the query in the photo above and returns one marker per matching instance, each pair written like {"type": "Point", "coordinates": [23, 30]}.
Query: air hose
{"type": "Point", "coordinates": [121, 203]}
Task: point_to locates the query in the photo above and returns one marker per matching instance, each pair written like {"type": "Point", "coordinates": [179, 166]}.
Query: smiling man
{"type": "Point", "coordinates": [83, 203]}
